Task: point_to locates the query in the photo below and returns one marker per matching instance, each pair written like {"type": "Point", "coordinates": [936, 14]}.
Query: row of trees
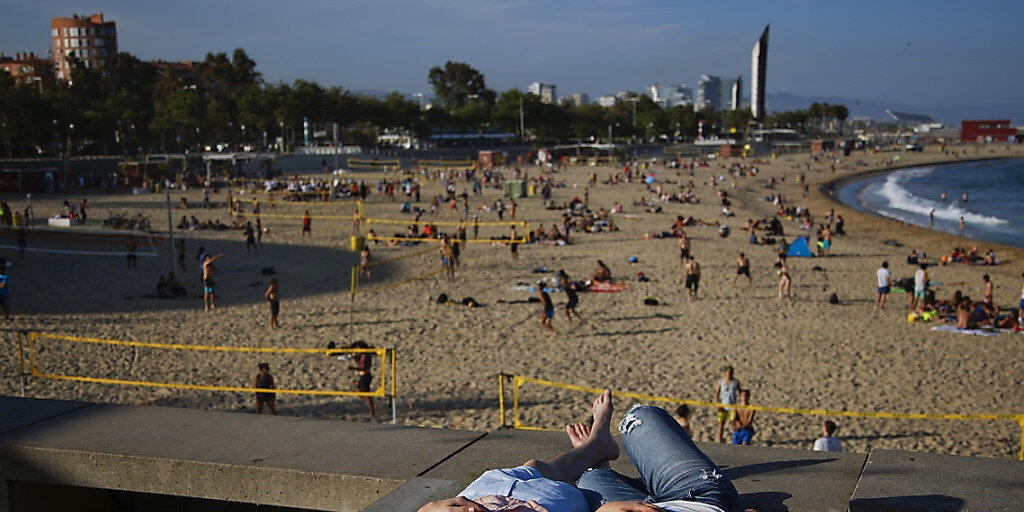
{"type": "Point", "coordinates": [138, 107]}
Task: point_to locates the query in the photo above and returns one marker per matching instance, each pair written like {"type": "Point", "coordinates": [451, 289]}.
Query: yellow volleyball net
{"type": "Point", "coordinates": [562, 391]}
{"type": "Point", "coordinates": [360, 271]}
{"type": "Point", "coordinates": [448, 164]}
{"type": "Point", "coordinates": [328, 210]}
{"type": "Point", "coordinates": [373, 164]}
{"type": "Point", "coordinates": [198, 368]}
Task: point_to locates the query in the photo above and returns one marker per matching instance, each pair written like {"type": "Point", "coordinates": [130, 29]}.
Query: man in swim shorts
{"type": "Point", "coordinates": [920, 286]}
{"type": "Point", "coordinates": [692, 276]}
{"type": "Point", "coordinates": [883, 285]}
{"type": "Point", "coordinates": [743, 421]}
{"type": "Point", "coordinates": [209, 296]}
{"type": "Point", "coordinates": [743, 269]}
{"type": "Point", "coordinates": [572, 298]}
{"type": "Point", "coordinates": [674, 474]}
{"type": "Point", "coordinates": [548, 309]}
{"type": "Point", "coordinates": [273, 296]}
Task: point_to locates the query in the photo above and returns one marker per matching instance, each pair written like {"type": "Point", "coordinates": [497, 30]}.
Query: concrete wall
{"type": "Point", "coordinates": [94, 456]}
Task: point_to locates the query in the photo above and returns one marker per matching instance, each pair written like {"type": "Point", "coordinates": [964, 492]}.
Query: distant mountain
{"type": "Point", "coordinates": [949, 114]}
{"type": "Point", "coordinates": [858, 108]}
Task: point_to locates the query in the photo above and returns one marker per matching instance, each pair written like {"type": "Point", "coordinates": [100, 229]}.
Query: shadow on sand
{"type": "Point", "coordinates": [72, 283]}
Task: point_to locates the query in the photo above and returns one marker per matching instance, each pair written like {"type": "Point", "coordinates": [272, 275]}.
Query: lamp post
{"type": "Point", "coordinates": [522, 123]}
{"type": "Point", "coordinates": [67, 154]}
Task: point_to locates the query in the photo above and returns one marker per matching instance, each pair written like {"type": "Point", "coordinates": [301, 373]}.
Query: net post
{"type": "Point", "coordinates": [352, 301]}
{"type": "Point", "coordinates": [515, 402]}
{"type": "Point", "coordinates": [501, 398]}
{"type": "Point", "coordinates": [394, 387]}
{"type": "Point", "coordinates": [21, 362]}
{"type": "Point", "coordinates": [1020, 421]}
{"type": "Point", "coordinates": [32, 352]}
{"type": "Point", "coordinates": [170, 232]}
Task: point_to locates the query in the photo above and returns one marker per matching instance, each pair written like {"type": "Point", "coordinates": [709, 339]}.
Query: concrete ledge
{"type": "Point", "coordinates": [347, 467]}
{"type": "Point", "coordinates": [912, 481]}
{"type": "Point", "coordinates": [270, 486]}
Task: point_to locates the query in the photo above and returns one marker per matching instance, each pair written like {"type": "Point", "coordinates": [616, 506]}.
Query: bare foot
{"type": "Point", "coordinates": [578, 433]}
{"type": "Point", "coordinates": [600, 432]}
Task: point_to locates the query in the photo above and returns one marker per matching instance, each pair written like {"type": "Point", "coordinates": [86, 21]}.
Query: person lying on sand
{"type": "Point", "coordinates": [676, 475]}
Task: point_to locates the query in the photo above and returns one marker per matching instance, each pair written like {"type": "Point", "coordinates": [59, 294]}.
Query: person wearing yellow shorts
{"type": "Point", "coordinates": [725, 393]}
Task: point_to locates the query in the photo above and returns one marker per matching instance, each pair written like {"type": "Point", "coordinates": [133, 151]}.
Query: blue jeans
{"type": "Point", "coordinates": [671, 467]}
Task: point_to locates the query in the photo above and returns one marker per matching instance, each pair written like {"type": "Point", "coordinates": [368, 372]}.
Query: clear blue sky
{"type": "Point", "coordinates": [931, 54]}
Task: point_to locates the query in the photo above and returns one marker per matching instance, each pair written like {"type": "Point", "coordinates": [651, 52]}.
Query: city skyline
{"type": "Point", "coordinates": [611, 47]}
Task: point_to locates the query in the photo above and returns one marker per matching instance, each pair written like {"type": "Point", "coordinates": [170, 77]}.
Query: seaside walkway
{"type": "Point", "coordinates": [89, 456]}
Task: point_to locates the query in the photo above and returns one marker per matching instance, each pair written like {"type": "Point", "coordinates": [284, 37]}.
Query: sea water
{"type": "Point", "coordinates": [993, 210]}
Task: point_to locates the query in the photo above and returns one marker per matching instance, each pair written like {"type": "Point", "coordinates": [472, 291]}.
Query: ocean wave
{"type": "Point", "coordinates": [899, 198]}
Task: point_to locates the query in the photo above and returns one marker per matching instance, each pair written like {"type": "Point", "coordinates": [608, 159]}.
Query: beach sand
{"type": "Point", "coordinates": [806, 354]}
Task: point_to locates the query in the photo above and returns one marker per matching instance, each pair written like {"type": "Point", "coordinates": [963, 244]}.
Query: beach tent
{"type": "Point", "coordinates": [799, 247]}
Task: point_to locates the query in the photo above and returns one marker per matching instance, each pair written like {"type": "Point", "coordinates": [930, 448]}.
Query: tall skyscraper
{"type": "Point", "coordinates": [725, 93]}
{"type": "Point", "coordinates": [545, 91]}
{"type": "Point", "coordinates": [758, 65]}
{"type": "Point", "coordinates": [736, 96]}
{"type": "Point", "coordinates": [89, 40]}
{"type": "Point", "coordinates": [709, 92]}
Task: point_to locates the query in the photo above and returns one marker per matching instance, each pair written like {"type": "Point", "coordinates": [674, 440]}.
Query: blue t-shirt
{"type": "Point", "coordinates": [3, 281]}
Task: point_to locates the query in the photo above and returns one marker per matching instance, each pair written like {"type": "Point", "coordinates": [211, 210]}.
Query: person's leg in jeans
{"type": "Point", "coordinates": [593, 450]}
{"type": "Point", "coordinates": [670, 465]}
{"type": "Point", "coordinates": [602, 484]}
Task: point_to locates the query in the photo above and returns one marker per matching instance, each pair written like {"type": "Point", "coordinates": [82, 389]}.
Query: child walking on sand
{"type": "Point", "coordinates": [264, 380]}
{"type": "Point", "coordinates": [364, 261]}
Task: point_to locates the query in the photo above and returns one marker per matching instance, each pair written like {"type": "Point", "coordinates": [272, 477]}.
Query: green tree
{"type": "Point", "coordinates": [456, 83]}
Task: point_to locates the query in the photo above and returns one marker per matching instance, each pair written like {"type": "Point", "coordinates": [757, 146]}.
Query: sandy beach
{"type": "Point", "coordinates": [801, 354]}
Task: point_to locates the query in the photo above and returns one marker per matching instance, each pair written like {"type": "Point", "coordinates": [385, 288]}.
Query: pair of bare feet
{"type": "Point", "coordinates": [598, 434]}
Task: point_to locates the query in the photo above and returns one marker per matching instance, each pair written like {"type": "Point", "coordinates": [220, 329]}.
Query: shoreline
{"type": "Point", "coordinates": [828, 192]}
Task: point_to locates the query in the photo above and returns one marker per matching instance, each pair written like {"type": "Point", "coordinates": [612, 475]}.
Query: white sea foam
{"type": "Point", "coordinates": [901, 199]}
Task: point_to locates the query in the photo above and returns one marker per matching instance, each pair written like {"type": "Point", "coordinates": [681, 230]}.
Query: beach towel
{"type": "Point", "coordinates": [532, 288]}
{"type": "Point", "coordinates": [976, 332]}
{"type": "Point", "coordinates": [607, 287]}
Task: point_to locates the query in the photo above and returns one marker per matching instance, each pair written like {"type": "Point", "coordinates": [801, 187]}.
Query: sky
{"type": "Point", "coordinates": [956, 56]}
